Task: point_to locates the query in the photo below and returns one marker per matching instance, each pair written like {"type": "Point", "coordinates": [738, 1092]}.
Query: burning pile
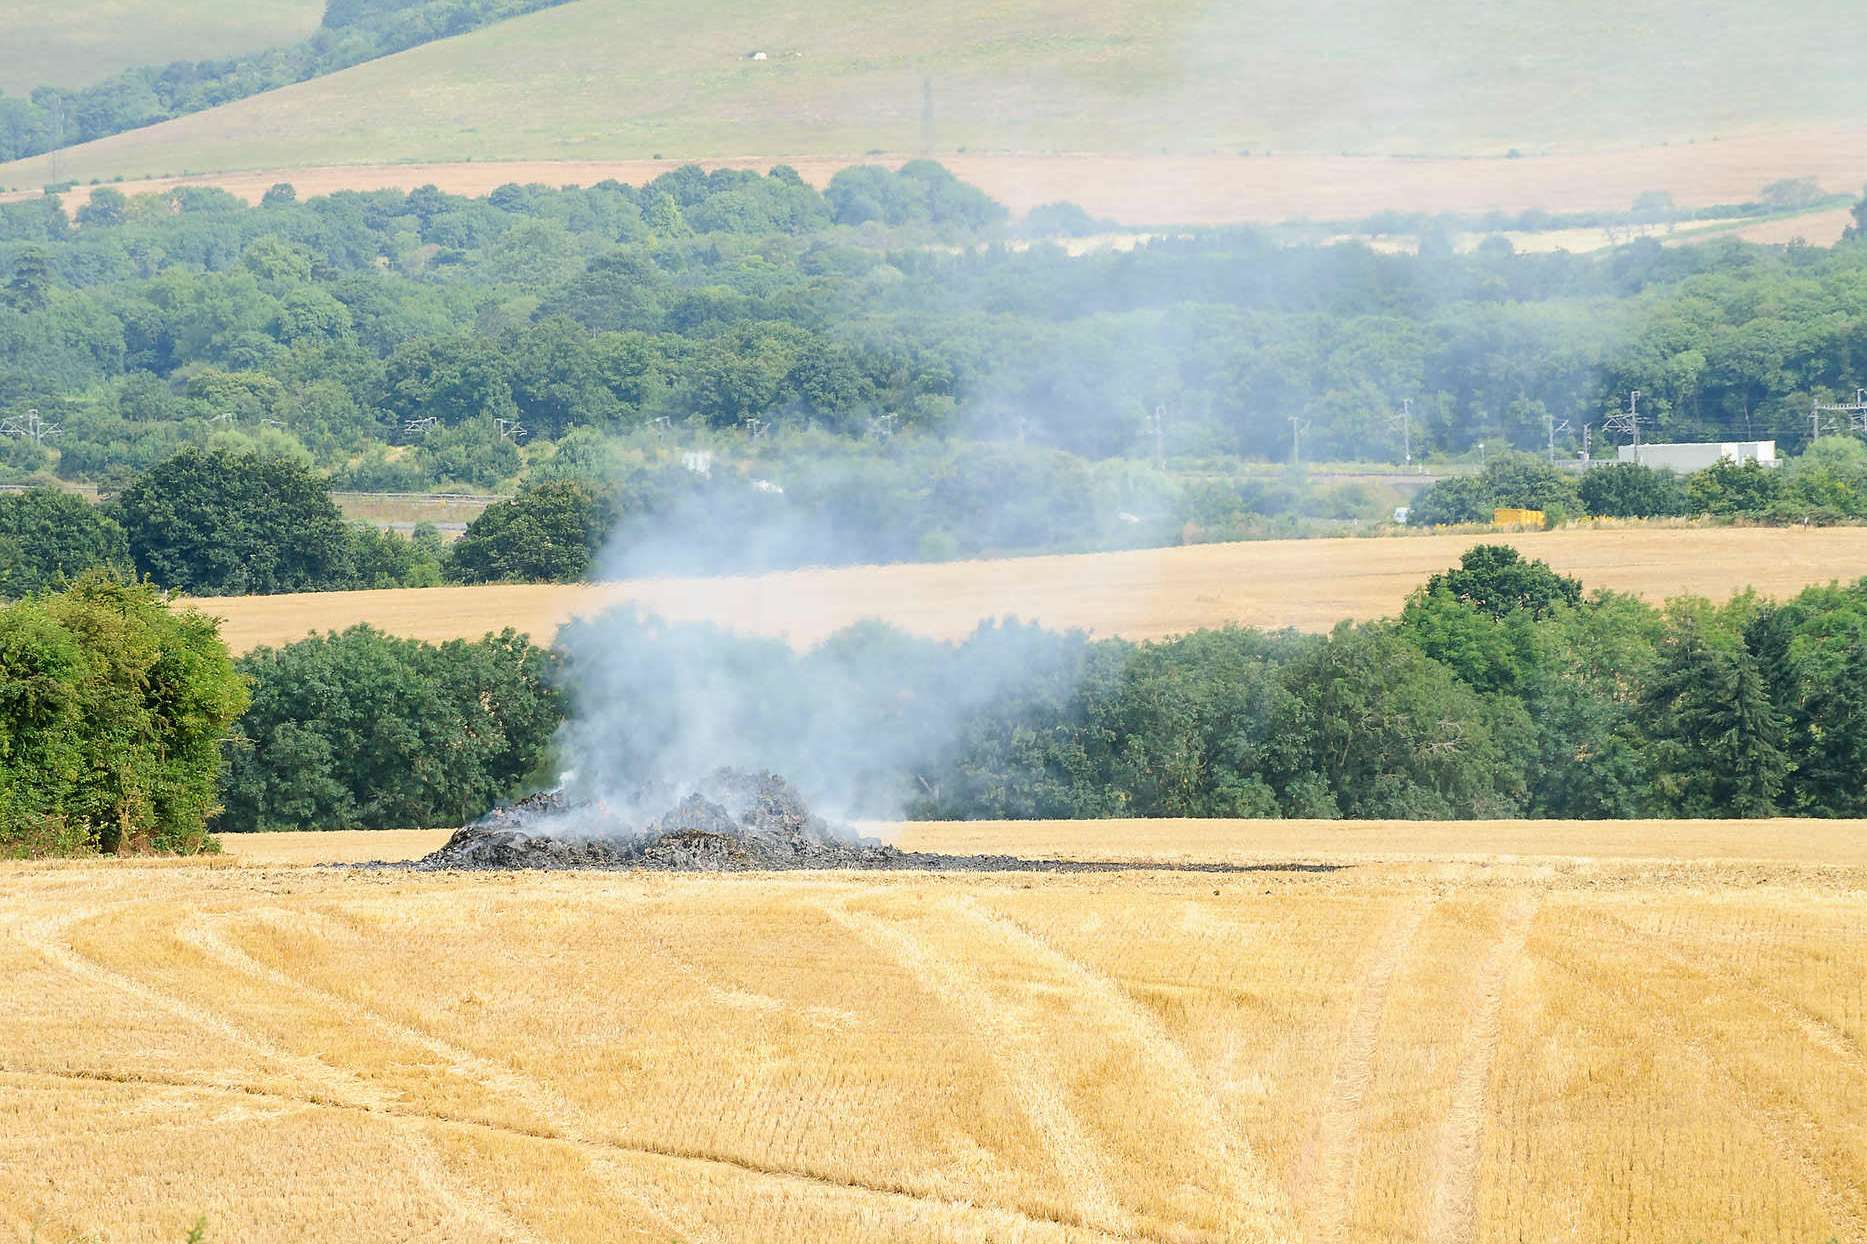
{"type": "Point", "coordinates": [734, 822]}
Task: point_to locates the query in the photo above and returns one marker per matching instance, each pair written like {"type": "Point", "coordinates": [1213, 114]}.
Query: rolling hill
{"type": "Point", "coordinates": [73, 43]}
{"type": "Point", "coordinates": [630, 79]}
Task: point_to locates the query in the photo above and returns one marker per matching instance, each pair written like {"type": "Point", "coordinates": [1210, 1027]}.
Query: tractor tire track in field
{"type": "Point", "coordinates": [1452, 1214]}
{"type": "Point", "coordinates": [1330, 1189]}
{"type": "Point", "coordinates": [1255, 1208]}
{"type": "Point", "coordinates": [912, 1204]}
{"type": "Point", "coordinates": [341, 1088]}
{"type": "Point", "coordinates": [204, 935]}
{"type": "Point", "coordinates": [1021, 1058]}
{"type": "Point", "coordinates": [603, 1152]}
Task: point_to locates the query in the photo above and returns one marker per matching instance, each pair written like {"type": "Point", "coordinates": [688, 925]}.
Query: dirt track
{"type": "Point", "coordinates": [1210, 189]}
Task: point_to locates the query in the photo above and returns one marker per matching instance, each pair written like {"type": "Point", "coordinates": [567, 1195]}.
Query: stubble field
{"type": "Point", "coordinates": [1156, 190]}
{"type": "Point", "coordinates": [1647, 1032]}
{"type": "Point", "coordinates": [1143, 594]}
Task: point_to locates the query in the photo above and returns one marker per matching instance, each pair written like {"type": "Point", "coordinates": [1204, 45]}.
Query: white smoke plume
{"type": "Point", "coordinates": [859, 725]}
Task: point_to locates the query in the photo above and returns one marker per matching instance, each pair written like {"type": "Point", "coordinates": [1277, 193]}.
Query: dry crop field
{"type": "Point", "coordinates": [1165, 190]}
{"type": "Point", "coordinates": [1648, 1032]}
{"type": "Point", "coordinates": [1143, 594]}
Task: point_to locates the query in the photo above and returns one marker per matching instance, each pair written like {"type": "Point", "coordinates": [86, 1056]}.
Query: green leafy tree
{"type": "Point", "coordinates": [1496, 580]}
{"type": "Point", "coordinates": [361, 730]}
{"type": "Point", "coordinates": [549, 533]}
{"type": "Point", "coordinates": [1522, 481]}
{"type": "Point", "coordinates": [1487, 652]}
{"type": "Point", "coordinates": [106, 209]}
{"type": "Point", "coordinates": [1188, 728]}
{"type": "Point", "coordinates": [31, 285]}
{"type": "Point", "coordinates": [1455, 499]}
{"type": "Point", "coordinates": [48, 536]}
{"type": "Point", "coordinates": [1791, 192]}
{"type": "Point", "coordinates": [384, 559]}
{"type": "Point", "coordinates": [452, 379]}
{"type": "Point", "coordinates": [1813, 651]}
{"type": "Point", "coordinates": [1631, 490]}
{"type": "Point", "coordinates": [474, 453]}
{"type": "Point", "coordinates": [1529, 482]}
{"type": "Point", "coordinates": [1391, 733]}
{"type": "Point", "coordinates": [1828, 481]}
{"type": "Point", "coordinates": [1026, 752]}
{"type": "Point", "coordinates": [1717, 743]}
{"type": "Point", "coordinates": [1591, 668]}
{"type": "Point", "coordinates": [217, 523]}
{"type": "Point", "coordinates": [1729, 490]}
{"type": "Point", "coordinates": [113, 708]}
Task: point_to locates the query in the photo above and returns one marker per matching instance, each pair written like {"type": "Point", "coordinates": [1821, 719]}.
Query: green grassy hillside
{"type": "Point", "coordinates": [77, 42]}
{"type": "Point", "coordinates": [632, 78]}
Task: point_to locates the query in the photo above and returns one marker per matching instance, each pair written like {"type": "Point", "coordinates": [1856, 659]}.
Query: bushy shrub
{"type": "Point", "coordinates": [113, 706]}
{"type": "Point", "coordinates": [1631, 490]}
{"type": "Point", "coordinates": [549, 533]}
{"type": "Point", "coordinates": [1519, 481]}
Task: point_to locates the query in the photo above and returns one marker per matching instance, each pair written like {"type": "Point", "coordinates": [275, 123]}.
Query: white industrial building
{"type": "Point", "coordinates": [1683, 456]}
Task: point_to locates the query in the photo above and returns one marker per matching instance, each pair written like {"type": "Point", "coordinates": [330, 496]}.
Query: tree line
{"type": "Point", "coordinates": [398, 338]}
{"type": "Point", "coordinates": [225, 521]}
{"type": "Point", "coordinates": [210, 523]}
{"type": "Point", "coordinates": [1827, 483]}
{"type": "Point", "coordinates": [1502, 689]}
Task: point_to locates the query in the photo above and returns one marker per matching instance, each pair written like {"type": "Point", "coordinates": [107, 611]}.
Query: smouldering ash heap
{"type": "Point", "coordinates": [733, 821]}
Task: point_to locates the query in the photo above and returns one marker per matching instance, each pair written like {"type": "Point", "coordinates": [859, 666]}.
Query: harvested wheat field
{"type": "Point", "coordinates": [1159, 190]}
{"type": "Point", "coordinates": [1143, 594]}
{"type": "Point", "coordinates": [1434, 1045]}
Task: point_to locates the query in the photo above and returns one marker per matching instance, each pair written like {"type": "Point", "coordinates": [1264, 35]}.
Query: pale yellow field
{"type": "Point", "coordinates": [1817, 228]}
{"type": "Point", "coordinates": [1784, 841]}
{"type": "Point", "coordinates": [1309, 584]}
{"type": "Point", "coordinates": [1432, 1046]}
{"type": "Point", "coordinates": [1138, 190]}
